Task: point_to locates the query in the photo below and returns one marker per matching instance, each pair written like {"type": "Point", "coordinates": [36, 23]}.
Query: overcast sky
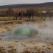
{"type": "Point", "coordinates": [6, 2]}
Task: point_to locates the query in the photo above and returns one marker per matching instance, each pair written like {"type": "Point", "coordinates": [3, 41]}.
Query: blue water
{"type": "Point", "coordinates": [20, 33]}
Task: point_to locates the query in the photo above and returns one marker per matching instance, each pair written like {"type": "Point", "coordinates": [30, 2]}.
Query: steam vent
{"type": "Point", "coordinates": [21, 33]}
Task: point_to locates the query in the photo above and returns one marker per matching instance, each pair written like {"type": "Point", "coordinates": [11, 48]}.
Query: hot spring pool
{"type": "Point", "coordinates": [20, 33]}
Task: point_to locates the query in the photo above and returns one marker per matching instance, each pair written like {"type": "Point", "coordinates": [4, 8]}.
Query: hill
{"type": "Point", "coordinates": [48, 4]}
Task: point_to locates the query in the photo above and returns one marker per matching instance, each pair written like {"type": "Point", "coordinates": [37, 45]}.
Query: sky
{"type": "Point", "coordinates": [6, 2]}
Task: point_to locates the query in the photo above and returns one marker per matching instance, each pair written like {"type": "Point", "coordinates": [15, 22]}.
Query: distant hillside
{"type": "Point", "coordinates": [48, 4]}
{"type": "Point", "coordinates": [27, 10]}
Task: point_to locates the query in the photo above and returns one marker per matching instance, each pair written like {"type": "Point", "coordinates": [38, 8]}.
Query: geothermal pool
{"type": "Point", "coordinates": [21, 32]}
{"type": "Point", "coordinates": [37, 31]}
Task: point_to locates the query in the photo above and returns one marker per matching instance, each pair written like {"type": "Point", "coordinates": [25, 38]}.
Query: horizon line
{"type": "Point", "coordinates": [24, 3]}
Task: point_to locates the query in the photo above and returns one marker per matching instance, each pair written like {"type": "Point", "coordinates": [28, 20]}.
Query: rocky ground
{"type": "Point", "coordinates": [25, 47]}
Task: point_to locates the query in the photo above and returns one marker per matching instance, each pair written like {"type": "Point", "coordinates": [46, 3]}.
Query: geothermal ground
{"type": "Point", "coordinates": [40, 43]}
